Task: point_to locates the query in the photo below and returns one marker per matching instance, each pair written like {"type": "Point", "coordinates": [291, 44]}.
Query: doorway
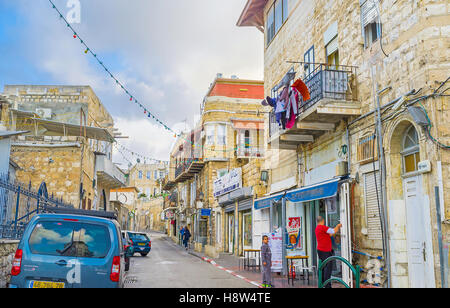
{"type": "Point", "coordinates": [247, 230]}
{"type": "Point", "coordinates": [230, 233]}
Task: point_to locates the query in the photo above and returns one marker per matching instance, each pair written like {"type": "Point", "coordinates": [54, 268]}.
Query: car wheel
{"type": "Point", "coordinates": [144, 254]}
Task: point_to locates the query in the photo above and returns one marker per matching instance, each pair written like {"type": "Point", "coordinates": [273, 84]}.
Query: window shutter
{"type": "Point", "coordinates": [332, 46]}
{"type": "Point", "coordinates": [368, 12]}
{"type": "Point", "coordinates": [371, 202]}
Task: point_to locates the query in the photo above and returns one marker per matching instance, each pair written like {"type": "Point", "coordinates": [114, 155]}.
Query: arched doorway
{"type": "Point", "coordinates": [406, 186]}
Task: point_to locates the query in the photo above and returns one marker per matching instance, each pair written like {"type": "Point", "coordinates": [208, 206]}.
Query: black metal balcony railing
{"type": "Point", "coordinates": [324, 82]}
{"type": "Point", "coordinates": [184, 166]}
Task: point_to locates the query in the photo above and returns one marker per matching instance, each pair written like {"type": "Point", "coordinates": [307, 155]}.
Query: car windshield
{"type": "Point", "coordinates": [139, 236]}
{"type": "Point", "coordinates": [70, 239]}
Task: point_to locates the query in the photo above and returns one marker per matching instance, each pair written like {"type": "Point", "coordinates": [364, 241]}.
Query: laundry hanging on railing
{"type": "Point", "coordinates": [303, 89]}
{"type": "Point", "coordinates": [286, 104]}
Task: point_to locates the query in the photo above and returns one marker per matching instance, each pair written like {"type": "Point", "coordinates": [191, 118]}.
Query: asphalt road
{"type": "Point", "coordinates": [170, 266]}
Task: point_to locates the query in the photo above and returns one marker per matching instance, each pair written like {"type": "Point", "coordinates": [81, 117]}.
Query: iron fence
{"type": "Point", "coordinates": [18, 204]}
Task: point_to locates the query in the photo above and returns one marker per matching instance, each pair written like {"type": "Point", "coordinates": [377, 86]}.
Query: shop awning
{"type": "Point", "coordinates": [322, 190]}
{"type": "Point", "coordinates": [314, 192]}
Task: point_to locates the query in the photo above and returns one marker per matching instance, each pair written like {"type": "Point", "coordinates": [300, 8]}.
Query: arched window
{"type": "Point", "coordinates": [411, 151]}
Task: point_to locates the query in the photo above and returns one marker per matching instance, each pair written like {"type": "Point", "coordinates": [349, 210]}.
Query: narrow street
{"type": "Point", "coordinates": [170, 266]}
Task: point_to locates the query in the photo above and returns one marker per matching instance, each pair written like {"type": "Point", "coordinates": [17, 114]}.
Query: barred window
{"type": "Point", "coordinates": [367, 149]}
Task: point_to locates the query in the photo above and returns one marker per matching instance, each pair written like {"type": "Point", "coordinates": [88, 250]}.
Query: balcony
{"type": "Point", "coordinates": [167, 184]}
{"type": "Point", "coordinates": [249, 152]}
{"type": "Point", "coordinates": [188, 168]}
{"type": "Point", "coordinates": [333, 98]}
{"type": "Point", "coordinates": [108, 175]}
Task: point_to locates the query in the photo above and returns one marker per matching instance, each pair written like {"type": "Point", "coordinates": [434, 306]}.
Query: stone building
{"type": "Point", "coordinates": [229, 139]}
{"type": "Point", "coordinates": [147, 178]}
{"type": "Point", "coordinates": [391, 196]}
{"type": "Point", "coordinates": [68, 144]}
{"type": "Point", "coordinates": [125, 201]}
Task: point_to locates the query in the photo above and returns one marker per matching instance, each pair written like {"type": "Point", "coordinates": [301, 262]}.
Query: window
{"type": "Point", "coordinates": [247, 139]}
{"type": "Point", "coordinates": [369, 22]}
{"type": "Point", "coordinates": [155, 175]}
{"type": "Point", "coordinates": [309, 58]}
{"type": "Point", "coordinates": [210, 135]}
{"type": "Point", "coordinates": [276, 17]}
{"type": "Point", "coordinates": [140, 174]}
{"type": "Point", "coordinates": [332, 53]}
{"type": "Point", "coordinates": [221, 134]}
{"type": "Point", "coordinates": [149, 175]}
{"type": "Point", "coordinates": [411, 152]}
{"type": "Point", "coordinates": [367, 149]}
{"type": "Point", "coordinates": [61, 238]}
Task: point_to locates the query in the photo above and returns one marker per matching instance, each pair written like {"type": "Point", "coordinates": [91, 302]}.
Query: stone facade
{"type": "Point", "coordinates": [58, 148]}
{"type": "Point", "coordinates": [413, 53]}
{"type": "Point", "coordinates": [229, 135]}
{"type": "Point", "coordinates": [7, 252]}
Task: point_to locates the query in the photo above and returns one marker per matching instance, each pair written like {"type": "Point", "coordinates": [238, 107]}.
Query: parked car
{"type": "Point", "coordinates": [69, 251]}
{"type": "Point", "coordinates": [141, 242]}
{"type": "Point", "coordinates": [128, 247]}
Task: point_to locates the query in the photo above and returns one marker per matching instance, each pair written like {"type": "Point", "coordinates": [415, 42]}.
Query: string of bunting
{"type": "Point", "coordinates": [89, 50]}
{"type": "Point", "coordinates": [147, 112]}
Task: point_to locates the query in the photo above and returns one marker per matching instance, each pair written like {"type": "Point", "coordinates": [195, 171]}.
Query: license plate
{"type": "Point", "coordinates": [141, 244]}
{"type": "Point", "coordinates": [47, 285]}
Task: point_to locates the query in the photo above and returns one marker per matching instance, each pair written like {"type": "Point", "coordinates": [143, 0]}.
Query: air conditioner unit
{"type": "Point", "coordinates": [45, 113]}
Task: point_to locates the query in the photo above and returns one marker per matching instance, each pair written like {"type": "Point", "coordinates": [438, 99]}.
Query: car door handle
{"type": "Point", "coordinates": [61, 263]}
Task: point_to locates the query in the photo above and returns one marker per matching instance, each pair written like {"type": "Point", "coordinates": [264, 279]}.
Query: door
{"type": "Point", "coordinates": [416, 230]}
{"type": "Point", "coordinates": [247, 230]}
{"type": "Point", "coordinates": [230, 233]}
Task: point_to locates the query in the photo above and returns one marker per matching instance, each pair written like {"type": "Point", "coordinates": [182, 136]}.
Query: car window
{"type": "Point", "coordinates": [52, 238]}
{"type": "Point", "coordinates": [138, 236]}
{"type": "Point", "coordinates": [71, 239]}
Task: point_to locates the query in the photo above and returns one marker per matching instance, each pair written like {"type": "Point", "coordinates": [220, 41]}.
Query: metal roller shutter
{"type": "Point", "coordinates": [245, 204]}
{"type": "Point", "coordinates": [372, 212]}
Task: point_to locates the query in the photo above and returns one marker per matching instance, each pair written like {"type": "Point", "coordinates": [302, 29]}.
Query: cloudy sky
{"type": "Point", "coordinates": [166, 52]}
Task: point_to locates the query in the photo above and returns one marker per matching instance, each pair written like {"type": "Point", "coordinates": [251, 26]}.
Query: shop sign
{"type": "Point", "coordinates": [205, 212]}
{"type": "Point", "coordinates": [229, 182]}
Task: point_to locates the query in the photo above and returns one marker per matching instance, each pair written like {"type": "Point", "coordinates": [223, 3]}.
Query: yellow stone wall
{"type": "Point", "coordinates": [416, 39]}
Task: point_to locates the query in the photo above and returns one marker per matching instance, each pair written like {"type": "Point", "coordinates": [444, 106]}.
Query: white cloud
{"type": "Point", "coordinates": [165, 52]}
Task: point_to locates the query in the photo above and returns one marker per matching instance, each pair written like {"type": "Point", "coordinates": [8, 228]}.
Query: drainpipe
{"type": "Point", "coordinates": [283, 233]}
{"type": "Point", "coordinates": [441, 251]}
{"type": "Point", "coordinates": [382, 162]}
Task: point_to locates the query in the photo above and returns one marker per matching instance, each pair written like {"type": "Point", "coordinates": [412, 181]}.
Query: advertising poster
{"type": "Point", "coordinates": [276, 246]}
{"type": "Point", "coordinates": [294, 233]}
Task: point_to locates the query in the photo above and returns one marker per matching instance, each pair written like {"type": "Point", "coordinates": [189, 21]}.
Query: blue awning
{"type": "Point", "coordinates": [309, 193]}
{"type": "Point", "coordinates": [314, 192]}
{"type": "Point", "coordinates": [267, 201]}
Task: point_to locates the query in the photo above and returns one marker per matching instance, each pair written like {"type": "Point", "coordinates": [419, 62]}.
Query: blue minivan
{"type": "Point", "coordinates": [69, 251]}
{"type": "Point", "coordinates": [140, 242]}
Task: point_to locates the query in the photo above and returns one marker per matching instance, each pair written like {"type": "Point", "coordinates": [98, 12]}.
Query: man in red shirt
{"type": "Point", "coordinates": [324, 247]}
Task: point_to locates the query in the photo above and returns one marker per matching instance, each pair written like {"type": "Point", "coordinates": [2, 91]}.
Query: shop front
{"type": "Point", "coordinates": [237, 207]}
{"type": "Point", "coordinates": [294, 213]}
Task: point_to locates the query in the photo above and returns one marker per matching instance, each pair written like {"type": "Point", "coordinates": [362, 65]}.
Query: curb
{"type": "Point", "coordinates": [212, 262]}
